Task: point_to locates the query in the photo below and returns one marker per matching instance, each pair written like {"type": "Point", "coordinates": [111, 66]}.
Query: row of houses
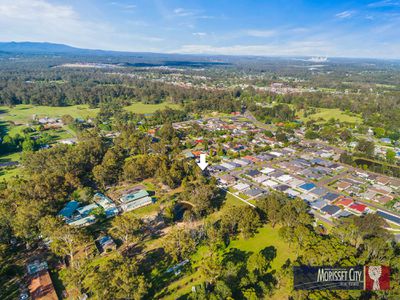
{"type": "Point", "coordinates": [381, 189]}
{"type": "Point", "coordinates": [311, 167]}
{"type": "Point", "coordinates": [319, 198]}
{"type": "Point", "coordinates": [237, 128]}
{"type": "Point", "coordinates": [339, 207]}
{"type": "Point", "coordinates": [229, 165]}
{"type": "Point", "coordinates": [246, 189]}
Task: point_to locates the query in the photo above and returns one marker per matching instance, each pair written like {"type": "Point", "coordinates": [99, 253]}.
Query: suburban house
{"type": "Point", "coordinates": [319, 204]}
{"type": "Point", "coordinates": [343, 214]}
{"type": "Point", "coordinates": [267, 170]}
{"type": "Point", "coordinates": [331, 197]}
{"type": "Point", "coordinates": [345, 202]}
{"type": "Point", "coordinates": [188, 153]}
{"type": "Point", "coordinates": [253, 173]}
{"type": "Point", "coordinates": [383, 180]}
{"type": "Point", "coordinates": [261, 178]}
{"type": "Point", "coordinates": [137, 203]}
{"type": "Point", "coordinates": [343, 185]}
{"type": "Point", "coordinates": [69, 209]}
{"type": "Point", "coordinates": [106, 244]}
{"type": "Point", "coordinates": [135, 200]}
{"type": "Point", "coordinates": [230, 165]}
{"type": "Point", "coordinates": [358, 208]}
{"type": "Point", "coordinates": [41, 287]}
{"type": "Point", "coordinates": [87, 209]}
{"type": "Point", "coordinates": [134, 196]}
{"type": "Point", "coordinates": [383, 199]}
{"type": "Point", "coordinates": [107, 204]}
{"type": "Point", "coordinates": [282, 187]}
{"type": "Point", "coordinates": [285, 178]}
{"type": "Point", "coordinates": [292, 193]}
{"type": "Point", "coordinates": [82, 221]}
{"type": "Point", "coordinates": [75, 216]}
{"type": "Point", "coordinates": [306, 197]}
{"type": "Point", "coordinates": [389, 217]}
{"type": "Point", "coordinates": [270, 183]}
{"type": "Point", "coordinates": [307, 186]}
{"type": "Point", "coordinates": [254, 192]}
{"type": "Point", "coordinates": [227, 179]}
{"type": "Point", "coordinates": [319, 191]}
{"type": "Point", "coordinates": [330, 210]}
{"type": "Point", "coordinates": [40, 283]}
{"type": "Point", "coordinates": [241, 186]}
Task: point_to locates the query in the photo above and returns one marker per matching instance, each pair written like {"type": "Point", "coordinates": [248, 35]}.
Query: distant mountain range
{"type": "Point", "coordinates": [46, 48]}
{"type": "Point", "coordinates": [139, 59]}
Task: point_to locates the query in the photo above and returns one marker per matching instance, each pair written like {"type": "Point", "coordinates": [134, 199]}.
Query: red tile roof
{"type": "Point", "coordinates": [252, 158]}
{"type": "Point", "coordinates": [345, 202]}
{"type": "Point", "coordinates": [197, 153]}
{"type": "Point", "coordinates": [358, 207]}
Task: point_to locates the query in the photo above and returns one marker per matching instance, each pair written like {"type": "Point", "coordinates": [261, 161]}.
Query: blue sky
{"type": "Point", "coordinates": [323, 28]}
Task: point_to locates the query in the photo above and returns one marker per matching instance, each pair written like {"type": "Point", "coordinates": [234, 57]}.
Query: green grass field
{"type": "Point", "coordinates": [231, 200]}
{"type": "Point", "coordinates": [328, 113]}
{"type": "Point", "coordinates": [22, 114]}
{"type": "Point", "coordinates": [10, 157]}
{"type": "Point", "coordinates": [7, 173]}
{"type": "Point", "coordinates": [266, 236]}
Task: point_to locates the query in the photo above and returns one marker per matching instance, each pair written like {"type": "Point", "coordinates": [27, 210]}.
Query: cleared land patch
{"type": "Point", "coordinates": [328, 113]}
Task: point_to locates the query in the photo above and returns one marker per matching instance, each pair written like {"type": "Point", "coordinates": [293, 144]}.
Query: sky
{"type": "Point", "coordinates": [234, 27]}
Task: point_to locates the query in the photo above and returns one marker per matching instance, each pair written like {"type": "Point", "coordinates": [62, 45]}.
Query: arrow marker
{"type": "Point", "coordinates": [202, 164]}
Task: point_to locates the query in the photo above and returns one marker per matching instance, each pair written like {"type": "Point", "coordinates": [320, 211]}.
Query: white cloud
{"type": "Point", "coordinates": [40, 20]}
{"type": "Point", "coordinates": [261, 33]}
{"type": "Point", "coordinates": [299, 30]}
{"type": "Point", "coordinates": [46, 20]}
{"type": "Point", "coordinates": [345, 14]}
{"type": "Point", "coordinates": [182, 12]}
{"type": "Point", "coordinates": [128, 7]}
{"type": "Point", "coordinates": [201, 34]}
{"type": "Point", "coordinates": [332, 44]}
{"type": "Point", "coordinates": [384, 3]}
{"type": "Point", "coordinates": [189, 13]}
{"type": "Point", "coordinates": [35, 9]}
{"type": "Point", "coordinates": [289, 48]}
